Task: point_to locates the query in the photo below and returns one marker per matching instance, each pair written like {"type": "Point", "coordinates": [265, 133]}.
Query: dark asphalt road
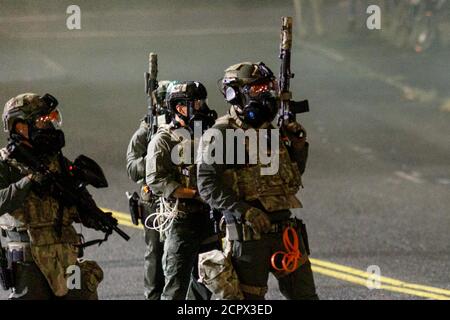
{"type": "Point", "coordinates": [377, 187]}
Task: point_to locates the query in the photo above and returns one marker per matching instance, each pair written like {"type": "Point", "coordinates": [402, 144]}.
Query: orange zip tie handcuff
{"type": "Point", "coordinates": [290, 260]}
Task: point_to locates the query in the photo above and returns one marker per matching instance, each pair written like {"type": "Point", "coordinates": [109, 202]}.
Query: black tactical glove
{"type": "Point", "coordinates": [296, 134]}
{"type": "Point", "coordinates": [40, 179]}
{"type": "Point", "coordinates": [257, 220]}
{"type": "Point", "coordinates": [42, 184]}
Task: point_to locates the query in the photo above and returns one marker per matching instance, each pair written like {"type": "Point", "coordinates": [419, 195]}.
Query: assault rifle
{"type": "Point", "coordinates": [288, 108]}
{"type": "Point", "coordinates": [69, 188]}
{"type": "Point", "coordinates": [151, 84]}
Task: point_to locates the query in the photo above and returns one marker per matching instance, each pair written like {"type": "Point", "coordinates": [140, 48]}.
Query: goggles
{"type": "Point", "coordinates": [52, 120]}
{"type": "Point", "coordinates": [257, 89]}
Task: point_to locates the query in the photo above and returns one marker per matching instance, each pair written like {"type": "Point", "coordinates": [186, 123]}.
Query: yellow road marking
{"type": "Point", "coordinates": [366, 275]}
{"type": "Point", "coordinates": [124, 219]}
{"type": "Point", "coordinates": [343, 273]}
{"type": "Point", "coordinates": [362, 282]}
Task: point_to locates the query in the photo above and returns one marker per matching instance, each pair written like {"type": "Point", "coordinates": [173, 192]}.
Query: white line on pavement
{"type": "Point", "coordinates": [413, 177]}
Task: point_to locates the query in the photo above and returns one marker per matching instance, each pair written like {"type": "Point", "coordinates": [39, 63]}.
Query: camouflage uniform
{"type": "Point", "coordinates": [235, 189]}
{"type": "Point", "coordinates": [190, 229]}
{"type": "Point", "coordinates": [28, 215]}
{"type": "Point", "coordinates": [153, 273]}
{"type": "Point", "coordinates": [256, 207]}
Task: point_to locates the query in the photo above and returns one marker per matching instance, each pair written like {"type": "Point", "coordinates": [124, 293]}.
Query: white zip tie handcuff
{"type": "Point", "coordinates": [163, 219]}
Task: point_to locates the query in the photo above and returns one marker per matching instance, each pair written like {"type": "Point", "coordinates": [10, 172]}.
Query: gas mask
{"type": "Point", "coordinates": [197, 112]}
{"type": "Point", "coordinates": [259, 103]}
{"type": "Point", "coordinates": [45, 134]}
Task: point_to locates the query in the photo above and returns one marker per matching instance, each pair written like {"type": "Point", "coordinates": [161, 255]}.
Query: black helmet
{"type": "Point", "coordinates": [184, 90]}
{"type": "Point", "coordinates": [193, 95]}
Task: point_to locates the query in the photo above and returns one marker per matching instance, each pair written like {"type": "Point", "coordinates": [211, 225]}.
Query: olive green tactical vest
{"type": "Point", "coordinates": [187, 173]}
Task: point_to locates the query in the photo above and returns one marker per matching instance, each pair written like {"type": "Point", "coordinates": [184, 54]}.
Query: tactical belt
{"type": "Point", "coordinates": [190, 205]}
{"type": "Point", "coordinates": [242, 232]}
{"type": "Point", "coordinates": [278, 227]}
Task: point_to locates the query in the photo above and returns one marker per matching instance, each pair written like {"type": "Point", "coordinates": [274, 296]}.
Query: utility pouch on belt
{"type": "Point", "coordinates": [142, 205]}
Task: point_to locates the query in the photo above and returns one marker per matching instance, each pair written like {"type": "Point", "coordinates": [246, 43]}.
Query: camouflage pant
{"type": "Point", "coordinates": [30, 284]}
{"type": "Point", "coordinates": [251, 260]}
{"type": "Point", "coordinates": [180, 257]}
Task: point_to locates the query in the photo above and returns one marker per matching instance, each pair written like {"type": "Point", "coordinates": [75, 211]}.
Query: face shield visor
{"type": "Point", "coordinates": [267, 89]}
{"type": "Point", "coordinates": [52, 120]}
{"type": "Point", "coordinates": [46, 134]}
{"type": "Point", "coordinates": [261, 102]}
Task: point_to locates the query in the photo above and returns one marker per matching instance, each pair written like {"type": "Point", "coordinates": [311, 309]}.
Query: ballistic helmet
{"type": "Point", "coordinates": [252, 89]}
{"type": "Point", "coordinates": [193, 95]}
{"type": "Point", "coordinates": [247, 73]}
{"type": "Point", "coordinates": [31, 108]}
{"type": "Point", "coordinates": [183, 91]}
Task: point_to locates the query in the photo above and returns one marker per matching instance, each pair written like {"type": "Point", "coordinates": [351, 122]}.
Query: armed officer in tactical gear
{"type": "Point", "coordinates": [175, 182]}
{"type": "Point", "coordinates": [257, 207]}
{"type": "Point", "coordinates": [40, 243]}
{"type": "Point", "coordinates": [136, 153]}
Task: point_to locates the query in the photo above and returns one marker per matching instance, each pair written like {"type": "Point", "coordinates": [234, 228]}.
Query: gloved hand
{"type": "Point", "coordinates": [39, 178]}
{"type": "Point", "coordinates": [109, 216]}
{"type": "Point", "coordinates": [42, 184]}
{"type": "Point", "coordinates": [257, 220]}
{"type": "Point", "coordinates": [296, 133]}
